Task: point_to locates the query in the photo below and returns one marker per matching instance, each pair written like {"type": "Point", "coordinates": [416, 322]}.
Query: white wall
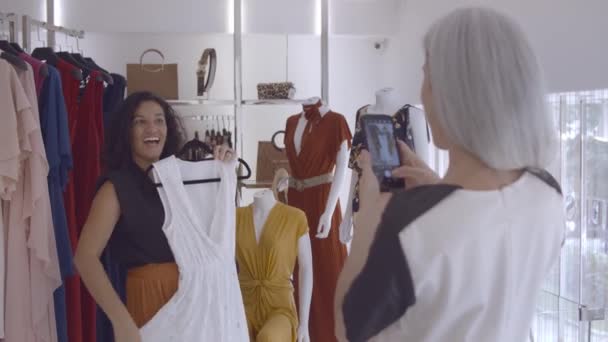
{"type": "Point", "coordinates": [280, 16]}
{"type": "Point", "coordinates": [566, 34]}
{"type": "Point", "coordinates": [34, 8]}
{"type": "Point", "coordinates": [211, 16]}
{"type": "Point", "coordinates": [365, 17]}
{"type": "Point", "coordinates": [362, 17]}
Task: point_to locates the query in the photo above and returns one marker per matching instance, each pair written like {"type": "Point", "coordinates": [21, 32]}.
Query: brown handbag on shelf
{"type": "Point", "coordinates": [276, 91]}
{"type": "Point", "coordinates": [161, 79]}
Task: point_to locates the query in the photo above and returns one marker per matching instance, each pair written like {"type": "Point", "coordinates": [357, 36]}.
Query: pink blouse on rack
{"type": "Point", "coordinates": [32, 267]}
{"type": "Point", "coordinates": [37, 65]}
{"type": "Point", "coordinates": [9, 146]}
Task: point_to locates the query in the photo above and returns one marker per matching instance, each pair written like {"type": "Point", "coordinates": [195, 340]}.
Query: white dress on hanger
{"type": "Point", "coordinates": [200, 226]}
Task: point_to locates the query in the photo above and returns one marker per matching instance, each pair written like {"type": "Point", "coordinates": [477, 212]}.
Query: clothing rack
{"type": "Point", "coordinates": [29, 22]}
{"type": "Point", "coordinates": [11, 20]}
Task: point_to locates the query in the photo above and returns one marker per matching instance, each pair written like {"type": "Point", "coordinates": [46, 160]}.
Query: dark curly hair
{"type": "Point", "coordinates": [117, 151]}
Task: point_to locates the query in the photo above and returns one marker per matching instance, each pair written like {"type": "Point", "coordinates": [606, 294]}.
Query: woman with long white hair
{"type": "Point", "coordinates": [463, 257]}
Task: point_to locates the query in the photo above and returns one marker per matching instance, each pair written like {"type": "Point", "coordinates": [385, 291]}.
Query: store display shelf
{"type": "Point", "coordinates": [202, 102]}
{"type": "Point", "coordinates": [253, 184]}
{"type": "Point", "coordinates": [272, 102]}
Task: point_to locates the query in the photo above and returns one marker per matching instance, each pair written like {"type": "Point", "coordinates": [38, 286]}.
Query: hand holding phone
{"type": "Point", "coordinates": [382, 146]}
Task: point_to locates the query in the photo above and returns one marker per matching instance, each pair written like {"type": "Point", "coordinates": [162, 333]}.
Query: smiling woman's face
{"type": "Point", "coordinates": [148, 133]}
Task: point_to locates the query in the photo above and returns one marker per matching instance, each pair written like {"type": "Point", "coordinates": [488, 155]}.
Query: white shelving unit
{"type": "Point", "coordinates": [238, 102]}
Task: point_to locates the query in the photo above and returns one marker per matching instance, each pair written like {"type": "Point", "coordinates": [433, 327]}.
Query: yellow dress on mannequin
{"type": "Point", "coordinates": [265, 270]}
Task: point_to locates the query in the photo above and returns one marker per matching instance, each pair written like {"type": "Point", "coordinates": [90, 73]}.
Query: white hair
{"type": "Point", "coordinates": [488, 90]}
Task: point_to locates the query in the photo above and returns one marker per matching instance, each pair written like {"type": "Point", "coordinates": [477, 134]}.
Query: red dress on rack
{"type": "Point", "coordinates": [318, 157]}
{"type": "Point", "coordinates": [71, 89]}
{"type": "Point", "coordinates": [86, 150]}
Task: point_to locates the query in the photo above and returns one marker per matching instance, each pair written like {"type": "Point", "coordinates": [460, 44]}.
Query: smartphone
{"type": "Point", "coordinates": [382, 145]}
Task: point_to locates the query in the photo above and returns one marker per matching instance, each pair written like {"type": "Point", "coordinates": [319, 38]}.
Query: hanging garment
{"type": "Point", "coordinates": [2, 272]}
{"type": "Point", "coordinates": [71, 90]}
{"type": "Point", "coordinates": [9, 167]}
{"type": "Point", "coordinates": [265, 270]}
{"type": "Point", "coordinates": [117, 274]}
{"type": "Point", "coordinates": [32, 265]}
{"type": "Point", "coordinates": [86, 149]}
{"type": "Point", "coordinates": [403, 131]}
{"type": "Point", "coordinates": [113, 96]}
{"type": "Point", "coordinates": [318, 157]}
{"type": "Point", "coordinates": [55, 133]}
{"type": "Point", "coordinates": [37, 66]}
{"type": "Point", "coordinates": [208, 305]}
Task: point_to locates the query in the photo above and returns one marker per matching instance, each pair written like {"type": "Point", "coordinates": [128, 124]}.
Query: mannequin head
{"type": "Point", "coordinates": [500, 116]}
{"type": "Point", "coordinates": [143, 130]}
{"type": "Point", "coordinates": [315, 100]}
{"type": "Point", "coordinates": [311, 101]}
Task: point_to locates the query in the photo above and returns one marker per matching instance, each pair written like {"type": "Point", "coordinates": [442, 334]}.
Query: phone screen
{"type": "Point", "coordinates": [381, 143]}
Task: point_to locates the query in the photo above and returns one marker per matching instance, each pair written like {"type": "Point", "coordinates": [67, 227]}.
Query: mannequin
{"type": "Point", "coordinates": [387, 102]}
{"type": "Point", "coordinates": [324, 227]}
{"type": "Point", "coordinates": [265, 249]}
{"type": "Point", "coordinates": [317, 144]}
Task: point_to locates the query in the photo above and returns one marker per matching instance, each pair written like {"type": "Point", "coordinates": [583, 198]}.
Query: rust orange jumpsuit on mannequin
{"type": "Point", "coordinates": [318, 157]}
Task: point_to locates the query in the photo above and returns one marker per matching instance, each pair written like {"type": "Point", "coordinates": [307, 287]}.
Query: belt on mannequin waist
{"type": "Point", "coordinates": [276, 284]}
{"type": "Point", "coordinates": [301, 184]}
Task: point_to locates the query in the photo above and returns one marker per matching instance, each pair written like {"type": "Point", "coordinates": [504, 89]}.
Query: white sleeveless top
{"type": "Point", "coordinates": [200, 226]}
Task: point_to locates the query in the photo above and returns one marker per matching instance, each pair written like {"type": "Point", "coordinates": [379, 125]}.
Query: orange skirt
{"type": "Point", "coordinates": [149, 287]}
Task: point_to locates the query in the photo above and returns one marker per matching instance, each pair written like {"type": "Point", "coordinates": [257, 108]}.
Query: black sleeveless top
{"type": "Point", "coordinates": [138, 238]}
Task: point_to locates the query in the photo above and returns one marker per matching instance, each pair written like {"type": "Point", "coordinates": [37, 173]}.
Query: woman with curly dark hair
{"type": "Point", "coordinates": [127, 215]}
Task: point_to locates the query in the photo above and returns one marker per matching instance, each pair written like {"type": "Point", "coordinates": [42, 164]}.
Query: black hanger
{"type": "Point", "coordinates": [93, 64]}
{"type": "Point", "coordinates": [195, 150]}
{"type": "Point", "coordinates": [44, 69]}
{"type": "Point", "coordinates": [46, 54]}
{"type": "Point", "coordinates": [104, 75]}
{"type": "Point", "coordinates": [6, 47]}
{"type": "Point", "coordinates": [17, 47]}
{"type": "Point", "coordinates": [66, 57]}
{"type": "Point", "coordinates": [14, 60]}
{"type": "Point", "coordinates": [210, 180]}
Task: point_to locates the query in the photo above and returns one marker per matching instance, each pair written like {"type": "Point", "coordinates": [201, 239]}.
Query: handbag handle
{"type": "Point", "coordinates": [273, 140]}
{"type": "Point", "coordinates": [141, 60]}
{"type": "Point", "coordinates": [208, 58]}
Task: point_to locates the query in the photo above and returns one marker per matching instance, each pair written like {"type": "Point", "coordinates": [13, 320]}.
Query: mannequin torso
{"type": "Point", "coordinates": [317, 147]}
{"type": "Point", "coordinates": [263, 202]}
{"type": "Point", "coordinates": [281, 222]}
{"type": "Point", "coordinates": [339, 174]}
{"type": "Point", "coordinates": [387, 103]}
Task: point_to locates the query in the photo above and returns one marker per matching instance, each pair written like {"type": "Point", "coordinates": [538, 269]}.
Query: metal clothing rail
{"type": "Point", "coordinates": [29, 22]}
{"type": "Point", "coordinates": [11, 20]}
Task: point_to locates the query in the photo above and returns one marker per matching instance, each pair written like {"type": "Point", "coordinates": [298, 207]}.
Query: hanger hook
{"type": "Point", "coordinates": [38, 35]}
{"type": "Point", "coordinates": [6, 28]}
{"type": "Point", "coordinates": [78, 46]}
